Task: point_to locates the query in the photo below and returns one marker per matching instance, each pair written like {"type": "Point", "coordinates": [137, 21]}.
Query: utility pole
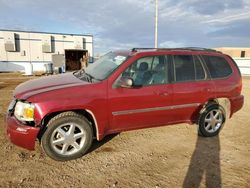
{"type": "Point", "coordinates": [156, 23]}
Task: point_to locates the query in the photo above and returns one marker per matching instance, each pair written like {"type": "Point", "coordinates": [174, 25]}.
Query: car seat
{"type": "Point", "coordinates": [138, 77]}
{"type": "Point", "coordinates": [160, 75]}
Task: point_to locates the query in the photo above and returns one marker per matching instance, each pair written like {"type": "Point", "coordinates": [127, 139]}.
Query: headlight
{"type": "Point", "coordinates": [24, 111]}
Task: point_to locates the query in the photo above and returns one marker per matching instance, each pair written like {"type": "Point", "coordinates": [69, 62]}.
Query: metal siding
{"type": "Point", "coordinates": [244, 65]}
{"type": "Point", "coordinates": [31, 43]}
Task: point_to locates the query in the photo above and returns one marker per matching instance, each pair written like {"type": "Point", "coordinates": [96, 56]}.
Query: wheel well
{"type": "Point", "coordinates": [224, 102]}
{"type": "Point", "coordinates": [48, 117]}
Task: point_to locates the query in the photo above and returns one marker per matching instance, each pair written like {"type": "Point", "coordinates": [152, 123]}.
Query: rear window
{"type": "Point", "coordinates": [217, 66]}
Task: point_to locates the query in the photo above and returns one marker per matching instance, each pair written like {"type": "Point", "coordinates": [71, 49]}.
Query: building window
{"type": "Point", "coordinates": [243, 53]}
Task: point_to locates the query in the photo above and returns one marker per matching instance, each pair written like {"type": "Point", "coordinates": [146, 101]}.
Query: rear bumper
{"type": "Point", "coordinates": [236, 103]}
{"type": "Point", "coordinates": [21, 135]}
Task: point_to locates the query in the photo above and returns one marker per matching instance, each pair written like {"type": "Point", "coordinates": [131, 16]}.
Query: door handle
{"type": "Point", "coordinates": [207, 90]}
{"type": "Point", "coordinates": [161, 93]}
{"type": "Point", "coordinates": [164, 94]}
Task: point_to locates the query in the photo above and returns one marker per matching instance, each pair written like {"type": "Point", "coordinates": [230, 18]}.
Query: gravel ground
{"type": "Point", "coordinates": [170, 156]}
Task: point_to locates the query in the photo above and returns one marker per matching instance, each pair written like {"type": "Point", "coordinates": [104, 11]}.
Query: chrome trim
{"type": "Point", "coordinates": [154, 109]}
{"type": "Point", "coordinates": [96, 126]}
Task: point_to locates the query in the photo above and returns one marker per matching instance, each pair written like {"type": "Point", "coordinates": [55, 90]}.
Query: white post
{"type": "Point", "coordinates": [156, 23]}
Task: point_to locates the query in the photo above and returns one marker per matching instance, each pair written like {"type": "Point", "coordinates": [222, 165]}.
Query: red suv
{"type": "Point", "coordinates": [121, 91]}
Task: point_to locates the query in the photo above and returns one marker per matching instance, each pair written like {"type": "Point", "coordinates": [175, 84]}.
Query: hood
{"type": "Point", "coordinates": [44, 84]}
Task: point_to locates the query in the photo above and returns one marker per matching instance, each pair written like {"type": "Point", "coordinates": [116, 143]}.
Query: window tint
{"type": "Point", "coordinates": [199, 71]}
{"type": "Point", "coordinates": [104, 66]}
{"type": "Point", "coordinates": [217, 66]}
{"type": "Point", "coordinates": [184, 68]}
{"type": "Point", "coordinates": [148, 71]}
{"type": "Point", "coordinates": [155, 62]}
{"type": "Point", "coordinates": [143, 60]}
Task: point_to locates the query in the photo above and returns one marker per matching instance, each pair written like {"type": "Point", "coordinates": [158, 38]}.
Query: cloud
{"type": "Point", "coordinates": [230, 18]}
{"type": "Point", "coordinates": [238, 30]}
{"type": "Point", "coordinates": [171, 44]}
{"type": "Point", "coordinates": [130, 23]}
{"type": "Point", "coordinates": [103, 45]}
{"type": "Point", "coordinates": [213, 7]}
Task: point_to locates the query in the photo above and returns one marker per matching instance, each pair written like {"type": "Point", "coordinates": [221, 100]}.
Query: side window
{"type": "Point", "coordinates": [184, 68]}
{"type": "Point", "coordinates": [136, 70]}
{"type": "Point", "coordinates": [155, 62]}
{"type": "Point", "coordinates": [217, 66]}
{"type": "Point", "coordinates": [148, 60]}
{"type": "Point", "coordinates": [148, 71]}
{"type": "Point", "coordinates": [199, 70]}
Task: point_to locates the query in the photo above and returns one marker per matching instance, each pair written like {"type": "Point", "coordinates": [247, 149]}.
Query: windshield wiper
{"type": "Point", "coordinates": [88, 77]}
{"type": "Point", "coordinates": [81, 74]}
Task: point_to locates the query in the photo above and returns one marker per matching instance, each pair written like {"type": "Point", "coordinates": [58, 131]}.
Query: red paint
{"type": "Point", "coordinates": [66, 92]}
{"type": "Point", "coordinates": [20, 138]}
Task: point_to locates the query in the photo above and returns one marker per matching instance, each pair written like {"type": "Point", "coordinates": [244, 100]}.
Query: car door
{"type": "Point", "coordinates": [192, 87]}
{"type": "Point", "coordinates": [145, 104]}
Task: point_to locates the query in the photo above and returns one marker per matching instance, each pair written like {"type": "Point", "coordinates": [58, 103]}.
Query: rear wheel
{"type": "Point", "coordinates": [68, 136]}
{"type": "Point", "coordinates": [211, 120]}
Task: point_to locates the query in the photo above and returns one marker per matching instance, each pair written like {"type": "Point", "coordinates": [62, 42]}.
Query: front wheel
{"type": "Point", "coordinates": [68, 136]}
{"type": "Point", "coordinates": [211, 120]}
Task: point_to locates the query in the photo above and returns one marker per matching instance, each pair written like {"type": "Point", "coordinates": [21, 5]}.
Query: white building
{"type": "Point", "coordinates": [241, 56]}
{"type": "Point", "coordinates": [22, 49]}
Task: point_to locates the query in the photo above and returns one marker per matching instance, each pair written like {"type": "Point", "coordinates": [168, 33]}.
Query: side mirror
{"type": "Point", "coordinates": [125, 82]}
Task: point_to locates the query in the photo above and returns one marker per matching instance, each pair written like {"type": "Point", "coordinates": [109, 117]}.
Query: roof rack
{"type": "Point", "coordinates": [185, 48]}
{"type": "Point", "coordinates": [199, 49]}
{"type": "Point", "coordinates": [136, 49]}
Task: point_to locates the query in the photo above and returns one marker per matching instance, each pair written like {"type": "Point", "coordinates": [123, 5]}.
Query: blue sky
{"type": "Point", "coordinates": [124, 24]}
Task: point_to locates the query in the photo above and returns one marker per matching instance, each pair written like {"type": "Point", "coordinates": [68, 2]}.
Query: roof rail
{"type": "Point", "coordinates": [199, 49]}
{"type": "Point", "coordinates": [184, 48]}
{"type": "Point", "coordinates": [136, 49]}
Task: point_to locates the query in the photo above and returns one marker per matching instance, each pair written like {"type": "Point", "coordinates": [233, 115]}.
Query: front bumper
{"type": "Point", "coordinates": [21, 135]}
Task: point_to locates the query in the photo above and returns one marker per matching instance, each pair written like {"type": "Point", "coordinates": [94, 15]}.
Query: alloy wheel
{"type": "Point", "coordinates": [213, 120]}
{"type": "Point", "coordinates": [68, 139]}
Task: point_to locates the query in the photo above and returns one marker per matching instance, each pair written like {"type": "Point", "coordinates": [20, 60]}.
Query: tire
{"type": "Point", "coordinates": [68, 136]}
{"type": "Point", "coordinates": [211, 120]}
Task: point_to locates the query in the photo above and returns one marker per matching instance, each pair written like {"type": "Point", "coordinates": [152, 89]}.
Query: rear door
{"type": "Point", "coordinates": [148, 102]}
{"type": "Point", "coordinates": [192, 87]}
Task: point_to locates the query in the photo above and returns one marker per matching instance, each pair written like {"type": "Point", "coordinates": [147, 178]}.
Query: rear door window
{"type": "Point", "coordinates": [188, 68]}
{"type": "Point", "coordinates": [217, 66]}
{"type": "Point", "coordinates": [184, 68]}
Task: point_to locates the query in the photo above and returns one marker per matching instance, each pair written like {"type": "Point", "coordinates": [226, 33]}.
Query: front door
{"type": "Point", "coordinates": [148, 102]}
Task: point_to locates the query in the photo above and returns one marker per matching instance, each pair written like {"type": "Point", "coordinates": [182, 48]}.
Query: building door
{"type": "Point", "coordinates": [73, 59]}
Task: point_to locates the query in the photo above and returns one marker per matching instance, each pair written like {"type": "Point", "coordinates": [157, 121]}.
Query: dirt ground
{"type": "Point", "coordinates": [170, 156]}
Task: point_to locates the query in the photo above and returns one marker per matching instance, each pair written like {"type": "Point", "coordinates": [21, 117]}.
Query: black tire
{"type": "Point", "coordinates": [63, 129]}
{"type": "Point", "coordinates": [211, 128]}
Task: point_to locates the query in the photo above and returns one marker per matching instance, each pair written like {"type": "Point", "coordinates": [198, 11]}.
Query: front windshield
{"type": "Point", "coordinates": [104, 66]}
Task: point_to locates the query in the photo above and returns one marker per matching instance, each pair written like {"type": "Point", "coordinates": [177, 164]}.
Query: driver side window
{"type": "Point", "coordinates": [148, 71]}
